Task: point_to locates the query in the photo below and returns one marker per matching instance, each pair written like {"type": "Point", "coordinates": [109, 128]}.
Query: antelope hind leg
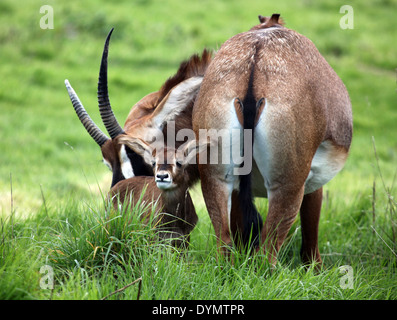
{"type": "Point", "coordinates": [217, 195]}
{"type": "Point", "coordinates": [310, 216]}
{"type": "Point", "coordinates": [284, 205]}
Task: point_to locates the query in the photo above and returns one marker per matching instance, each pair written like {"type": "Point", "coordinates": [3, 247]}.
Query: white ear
{"type": "Point", "coordinates": [176, 101]}
{"type": "Point", "coordinates": [139, 146]}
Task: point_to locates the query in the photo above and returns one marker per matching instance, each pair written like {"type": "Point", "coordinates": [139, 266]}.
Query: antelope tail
{"type": "Point", "coordinates": [252, 221]}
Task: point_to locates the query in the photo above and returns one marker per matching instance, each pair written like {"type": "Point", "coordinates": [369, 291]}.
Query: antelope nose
{"type": "Point", "coordinates": [161, 177]}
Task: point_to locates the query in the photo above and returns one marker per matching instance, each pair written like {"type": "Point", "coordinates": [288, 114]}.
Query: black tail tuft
{"type": "Point", "coordinates": [252, 221]}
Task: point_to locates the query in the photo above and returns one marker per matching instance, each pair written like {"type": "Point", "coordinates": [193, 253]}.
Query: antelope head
{"type": "Point", "coordinates": [146, 120]}
{"type": "Point", "coordinates": [169, 164]}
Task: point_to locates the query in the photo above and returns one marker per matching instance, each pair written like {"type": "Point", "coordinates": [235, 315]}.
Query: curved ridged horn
{"type": "Point", "coordinates": [108, 118]}
{"type": "Point", "coordinates": [96, 133]}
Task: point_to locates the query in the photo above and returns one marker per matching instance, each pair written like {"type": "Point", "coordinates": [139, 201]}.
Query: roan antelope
{"type": "Point", "coordinates": [167, 190]}
{"type": "Point", "coordinates": [148, 117]}
{"type": "Point", "coordinates": [274, 81]}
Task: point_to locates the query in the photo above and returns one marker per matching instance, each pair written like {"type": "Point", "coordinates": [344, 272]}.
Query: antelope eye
{"type": "Point", "coordinates": [153, 164]}
{"type": "Point", "coordinates": [179, 164]}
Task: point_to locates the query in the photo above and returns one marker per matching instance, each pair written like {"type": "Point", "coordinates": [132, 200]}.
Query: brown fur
{"type": "Point", "coordinates": [195, 66]}
{"type": "Point", "coordinates": [143, 109]}
{"type": "Point", "coordinates": [306, 104]}
{"type": "Point", "coordinates": [175, 214]}
{"type": "Point", "coordinates": [175, 219]}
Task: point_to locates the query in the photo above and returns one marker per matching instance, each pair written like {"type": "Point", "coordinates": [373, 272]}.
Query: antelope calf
{"type": "Point", "coordinates": [167, 190]}
{"type": "Point", "coordinates": [274, 81]}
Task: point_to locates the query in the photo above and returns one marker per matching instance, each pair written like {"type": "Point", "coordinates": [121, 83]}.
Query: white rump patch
{"type": "Point", "coordinates": [326, 163]}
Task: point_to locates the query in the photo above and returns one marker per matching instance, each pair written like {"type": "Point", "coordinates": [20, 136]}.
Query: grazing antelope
{"type": "Point", "coordinates": [273, 80]}
{"type": "Point", "coordinates": [167, 190]}
{"type": "Point", "coordinates": [174, 101]}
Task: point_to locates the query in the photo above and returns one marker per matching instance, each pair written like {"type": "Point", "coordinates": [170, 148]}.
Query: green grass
{"type": "Point", "coordinates": [52, 181]}
{"type": "Point", "coordinates": [93, 255]}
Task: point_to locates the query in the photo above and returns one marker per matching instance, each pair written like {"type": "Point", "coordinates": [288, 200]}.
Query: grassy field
{"type": "Point", "coordinates": [52, 181]}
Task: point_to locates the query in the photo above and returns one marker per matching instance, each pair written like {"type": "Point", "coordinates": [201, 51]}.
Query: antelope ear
{"type": "Point", "coordinates": [192, 148]}
{"type": "Point", "coordinates": [276, 19]}
{"type": "Point", "coordinates": [262, 19]}
{"type": "Point", "coordinates": [138, 146]}
{"type": "Point", "coordinates": [176, 101]}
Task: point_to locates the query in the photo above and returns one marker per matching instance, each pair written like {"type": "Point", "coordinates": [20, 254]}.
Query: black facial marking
{"type": "Point", "coordinates": [117, 175]}
{"type": "Point", "coordinates": [139, 166]}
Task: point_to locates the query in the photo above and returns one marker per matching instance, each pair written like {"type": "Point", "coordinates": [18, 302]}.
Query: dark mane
{"type": "Point", "coordinates": [194, 66]}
